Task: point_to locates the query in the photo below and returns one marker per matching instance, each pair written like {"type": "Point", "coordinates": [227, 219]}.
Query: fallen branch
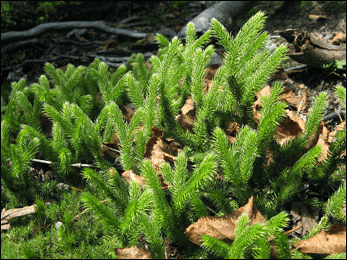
{"type": "Point", "coordinates": [309, 49]}
{"type": "Point", "coordinates": [8, 214]}
{"type": "Point", "coordinates": [12, 37]}
{"type": "Point", "coordinates": [78, 165]}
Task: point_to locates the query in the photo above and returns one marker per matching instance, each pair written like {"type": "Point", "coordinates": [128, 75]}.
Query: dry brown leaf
{"type": "Point", "coordinates": [298, 102]}
{"type": "Point", "coordinates": [338, 128]}
{"type": "Point", "coordinates": [304, 91]}
{"type": "Point", "coordinates": [210, 73]}
{"type": "Point", "coordinates": [133, 252]}
{"type": "Point", "coordinates": [159, 150]}
{"type": "Point", "coordinates": [173, 143]}
{"type": "Point", "coordinates": [303, 102]}
{"type": "Point", "coordinates": [130, 176]}
{"type": "Point", "coordinates": [324, 138]}
{"type": "Point", "coordinates": [290, 127]}
{"type": "Point", "coordinates": [157, 155]}
{"type": "Point", "coordinates": [157, 132]}
{"type": "Point", "coordinates": [287, 96]}
{"type": "Point", "coordinates": [328, 242]}
{"type": "Point", "coordinates": [188, 106]}
{"type": "Point", "coordinates": [149, 146]}
{"type": "Point", "coordinates": [263, 92]}
{"type": "Point", "coordinates": [232, 130]}
{"type": "Point", "coordinates": [223, 228]}
{"type": "Point", "coordinates": [187, 117]}
{"type": "Point", "coordinates": [339, 38]}
{"type": "Point", "coordinates": [256, 105]}
{"type": "Point", "coordinates": [324, 141]}
{"type": "Point", "coordinates": [315, 137]}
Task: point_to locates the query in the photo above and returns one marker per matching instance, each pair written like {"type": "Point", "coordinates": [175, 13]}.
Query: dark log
{"type": "Point", "coordinates": [226, 12]}
{"type": "Point", "coordinates": [310, 50]}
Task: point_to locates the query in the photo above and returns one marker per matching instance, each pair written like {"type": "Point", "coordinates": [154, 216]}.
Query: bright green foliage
{"type": "Point", "coordinates": [237, 161]}
{"type": "Point", "coordinates": [248, 65]}
{"type": "Point", "coordinates": [341, 94]}
{"type": "Point", "coordinates": [337, 256]}
{"type": "Point", "coordinates": [84, 107]}
{"type": "Point", "coordinates": [130, 206]}
{"type": "Point", "coordinates": [335, 204]}
{"type": "Point", "coordinates": [282, 245]}
{"type": "Point", "coordinates": [271, 114]}
{"type": "Point", "coordinates": [263, 251]}
{"type": "Point", "coordinates": [317, 112]}
{"type": "Point", "coordinates": [248, 238]}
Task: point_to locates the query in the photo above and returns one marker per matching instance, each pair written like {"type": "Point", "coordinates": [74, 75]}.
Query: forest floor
{"type": "Point", "coordinates": [162, 16]}
{"type": "Point", "coordinates": [159, 16]}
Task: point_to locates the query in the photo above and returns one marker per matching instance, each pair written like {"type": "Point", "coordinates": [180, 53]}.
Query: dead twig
{"type": "Point", "coordinates": [10, 38]}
